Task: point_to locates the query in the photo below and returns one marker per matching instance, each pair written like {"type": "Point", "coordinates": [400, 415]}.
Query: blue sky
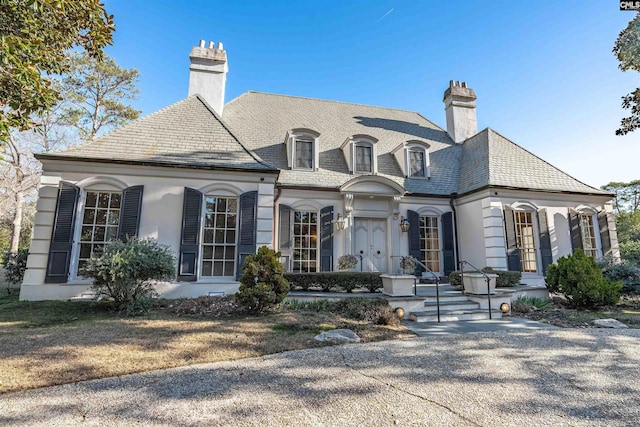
{"type": "Point", "coordinates": [543, 71]}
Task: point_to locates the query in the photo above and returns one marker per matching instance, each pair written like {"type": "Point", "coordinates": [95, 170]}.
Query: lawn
{"type": "Point", "coordinates": [56, 342]}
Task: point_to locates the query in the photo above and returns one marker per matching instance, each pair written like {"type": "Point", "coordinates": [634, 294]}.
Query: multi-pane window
{"type": "Point", "coordinates": [363, 158]}
{"type": "Point", "coordinates": [99, 224]}
{"type": "Point", "coordinates": [525, 241]}
{"type": "Point", "coordinates": [305, 242]}
{"type": "Point", "coordinates": [304, 153]}
{"type": "Point", "coordinates": [588, 235]}
{"type": "Point", "coordinates": [219, 237]}
{"type": "Point", "coordinates": [416, 163]}
{"type": "Point", "coordinates": [430, 242]}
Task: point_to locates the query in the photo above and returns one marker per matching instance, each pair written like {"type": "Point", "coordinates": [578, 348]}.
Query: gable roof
{"type": "Point", "coordinates": [490, 159]}
{"type": "Point", "coordinates": [185, 134]}
{"type": "Point", "coordinates": [262, 121]}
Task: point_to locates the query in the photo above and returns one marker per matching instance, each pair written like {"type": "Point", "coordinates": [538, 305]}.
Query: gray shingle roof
{"type": "Point", "coordinates": [491, 159]}
{"type": "Point", "coordinates": [262, 120]}
{"type": "Point", "coordinates": [187, 133]}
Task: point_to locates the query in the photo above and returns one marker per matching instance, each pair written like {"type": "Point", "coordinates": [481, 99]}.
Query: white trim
{"type": "Point", "coordinates": [524, 206]}
{"type": "Point", "coordinates": [221, 189]}
{"type": "Point", "coordinates": [95, 181]}
{"type": "Point", "coordinates": [290, 143]}
{"type": "Point", "coordinates": [305, 205]}
{"type": "Point", "coordinates": [429, 210]}
{"type": "Point", "coordinates": [586, 210]}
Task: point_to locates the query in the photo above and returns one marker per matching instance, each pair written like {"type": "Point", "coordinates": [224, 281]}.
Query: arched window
{"type": "Point", "coordinates": [360, 153]}
{"type": "Point", "coordinates": [413, 158]}
{"type": "Point", "coordinates": [302, 149]}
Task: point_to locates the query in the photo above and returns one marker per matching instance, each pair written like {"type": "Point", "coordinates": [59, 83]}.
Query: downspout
{"type": "Point", "coordinates": [275, 225]}
{"type": "Point", "coordinates": [455, 225]}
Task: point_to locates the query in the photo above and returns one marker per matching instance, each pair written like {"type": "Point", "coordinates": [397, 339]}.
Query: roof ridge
{"type": "Point", "coordinates": [329, 101]}
{"type": "Point", "coordinates": [489, 129]}
{"type": "Point", "coordinates": [228, 129]}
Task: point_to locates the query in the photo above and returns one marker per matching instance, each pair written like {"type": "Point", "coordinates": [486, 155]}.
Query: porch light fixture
{"type": "Point", "coordinates": [340, 222]}
{"type": "Point", "coordinates": [404, 225]}
{"type": "Point", "coordinates": [504, 307]}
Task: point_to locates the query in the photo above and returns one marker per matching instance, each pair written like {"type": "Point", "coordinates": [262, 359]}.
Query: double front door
{"type": "Point", "coordinates": [370, 243]}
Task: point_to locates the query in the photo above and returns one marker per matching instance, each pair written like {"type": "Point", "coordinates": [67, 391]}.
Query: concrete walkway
{"type": "Point", "coordinates": [470, 326]}
{"type": "Point", "coordinates": [580, 377]}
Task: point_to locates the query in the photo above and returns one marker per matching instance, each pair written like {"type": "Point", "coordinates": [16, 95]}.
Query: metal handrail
{"type": "Point", "coordinates": [486, 276]}
{"type": "Point", "coordinates": [428, 270]}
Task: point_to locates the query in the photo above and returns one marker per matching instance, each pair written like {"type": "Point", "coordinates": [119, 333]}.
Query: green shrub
{"type": "Point", "coordinates": [455, 278]}
{"type": "Point", "coordinates": [262, 284]}
{"type": "Point", "coordinates": [630, 252]}
{"type": "Point", "coordinates": [15, 265]}
{"type": "Point", "coordinates": [625, 272]}
{"type": "Point", "coordinates": [505, 279]}
{"type": "Point", "coordinates": [580, 280]}
{"type": "Point", "coordinates": [126, 271]}
{"type": "Point", "coordinates": [340, 280]}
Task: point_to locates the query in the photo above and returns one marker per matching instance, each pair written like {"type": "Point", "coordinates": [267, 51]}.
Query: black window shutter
{"type": "Point", "coordinates": [130, 212]}
{"type": "Point", "coordinates": [62, 234]}
{"type": "Point", "coordinates": [448, 243]}
{"type": "Point", "coordinates": [576, 232]}
{"type": "Point", "coordinates": [190, 236]}
{"type": "Point", "coordinates": [513, 254]}
{"type": "Point", "coordinates": [326, 238]}
{"type": "Point", "coordinates": [284, 233]}
{"type": "Point", "coordinates": [414, 238]}
{"type": "Point", "coordinates": [247, 232]}
{"type": "Point", "coordinates": [545, 240]}
{"type": "Point", "coordinates": [605, 236]}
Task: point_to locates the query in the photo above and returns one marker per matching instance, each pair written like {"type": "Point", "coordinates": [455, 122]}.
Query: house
{"type": "Point", "coordinates": [314, 179]}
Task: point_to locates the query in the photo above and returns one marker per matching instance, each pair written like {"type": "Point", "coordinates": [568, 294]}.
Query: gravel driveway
{"type": "Point", "coordinates": [525, 378]}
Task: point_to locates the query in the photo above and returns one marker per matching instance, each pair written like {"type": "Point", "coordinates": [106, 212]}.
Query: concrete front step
{"type": "Point", "coordinates": [448, 298]}
{"type": "Point", "coordinates": [453, 315]}
{"type": "Point", "coordinates": [452, 305]}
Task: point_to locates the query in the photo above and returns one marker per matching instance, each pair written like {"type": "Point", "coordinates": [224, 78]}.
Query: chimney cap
{"type": "Point", "coordinates": [459, 89]}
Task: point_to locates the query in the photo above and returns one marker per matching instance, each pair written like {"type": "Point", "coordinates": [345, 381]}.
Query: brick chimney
{"type": "Point", "coordinates": [208, 74]}
{"type": "Point", "coordinates": [460, 106]}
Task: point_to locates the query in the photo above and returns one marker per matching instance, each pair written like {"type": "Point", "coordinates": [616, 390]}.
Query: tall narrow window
{"type": "Point", "coordinates": [363, 158]}
{"type": "Point", "coordinates": [416, 163]}
{"type": "Point", "coordinates": [99, 224]}
{"type": "Point", "coordinates": [430, 242]}
{"type": "Point", "coordinates": [219, 239]}
{"type": "Point", "coordinates": [525, 241]}
{"type": "Point", "coordinates": [588, 235]}
{"type": "Point", "coordinates": [305, 242]}
{"type": "Point", "coordinates": [304, 153]}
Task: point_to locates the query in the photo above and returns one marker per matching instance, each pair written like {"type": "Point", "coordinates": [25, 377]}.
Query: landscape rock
{"type": "Point", "coordinates": [609, 323]}
{"type": "Point", "coordinates": [338, 336]}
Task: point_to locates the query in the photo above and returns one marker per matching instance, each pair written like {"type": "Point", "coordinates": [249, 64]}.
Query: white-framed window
{"type": "Point", "coordinates": [360, 154]}
{"type": "Point", "coordinates": [588, 235]}
{"type": "Point", "coordinates": [430, 242]}
{"type": "Point", "coordinates": [525, 238]}
{"type": "Point", "coordinates": [302, 149]}
{"type": "Point", "coordinates": [219, 236]}
{"type": "Point", "coordinates": [417, 165]}
{"type": "Point", "coordinates": [305, 241]}
{"type": "Point", "coordinates": [413, 158]}
{"type": "Point", "coordinates": [99, 225]}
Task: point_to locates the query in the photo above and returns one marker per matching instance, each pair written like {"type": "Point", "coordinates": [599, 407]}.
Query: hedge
{"type": "Point", "coordinates": [340, 280]}
{"type": "Point", "coordinates": [505, 279]}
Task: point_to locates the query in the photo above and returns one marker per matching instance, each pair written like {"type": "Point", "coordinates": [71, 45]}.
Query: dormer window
{"type": "Point", "coordinates": [413, 158]}
{"type": "Point", "coordinates": [360, 154]}
{"type": "Point", "coordinates": [417, 165]}
{"type": "Point", "coordinates": [363, 158]}
{"type": "Point", "coordinates": [302, 149]}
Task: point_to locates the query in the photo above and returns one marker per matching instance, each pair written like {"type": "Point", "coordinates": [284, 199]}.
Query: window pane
{"type": "Point", "coordinates": [115, 200]}
{"type": "Point", "coordinates": [416, 163]}
{"type": "Point", "coordinates": [304, 154]}
{"type": "Point", "coordinates": [103, 200]}
{"type": "Point", "coordinates": [91, 199]}
{"type": "Point", "coordinates": [363, 158]}
{"type": "Point", "coordinates": [220, 236]}
{"type": "Point", "coordinates": [101, 216]}
{"type": "Point", "coordinates": [89, 216]}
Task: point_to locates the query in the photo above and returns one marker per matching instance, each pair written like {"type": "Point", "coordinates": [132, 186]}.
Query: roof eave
{"type": "Point", "coordinates": [46, 156]}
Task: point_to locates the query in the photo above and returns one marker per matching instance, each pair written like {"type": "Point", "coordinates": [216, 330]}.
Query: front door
{"type": "Point", "coordinates": [370, 242]}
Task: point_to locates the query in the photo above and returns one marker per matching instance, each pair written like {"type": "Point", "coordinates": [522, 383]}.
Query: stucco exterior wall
{"type": "Point", "coordinates": [161, 216]}
{"type": "Point", "coordinates": [469, 212]}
